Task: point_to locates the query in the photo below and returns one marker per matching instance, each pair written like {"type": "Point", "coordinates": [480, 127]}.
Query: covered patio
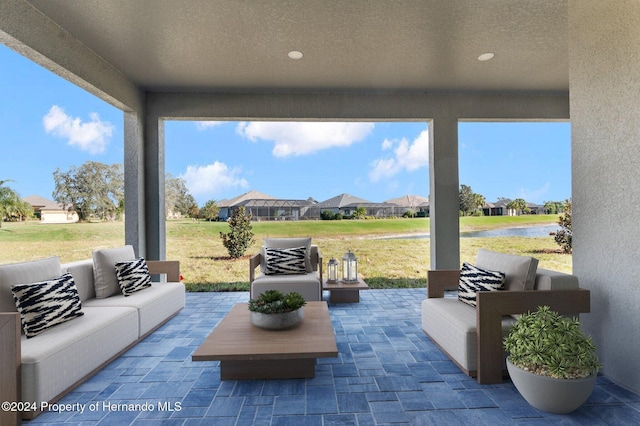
{"type": "Point", "coordinates": [365, 60]}
{"type": "Point", "coordinates": [387, 372]}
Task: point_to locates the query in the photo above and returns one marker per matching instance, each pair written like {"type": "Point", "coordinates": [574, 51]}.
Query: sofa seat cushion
{"type": "Point", "coordinates": [155, 304]}
{"type": "Point", "coordinates": [452, 325]}
{"type": "Point", "coordinates": [64, 354]}
{"type": "Point", "coordinates": [308, 285]}
{"type": "Point", "coordinates": [24, 273]}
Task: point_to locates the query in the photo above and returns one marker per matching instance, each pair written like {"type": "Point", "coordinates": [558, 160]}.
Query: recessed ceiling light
{"type": "Point", "coordinates": [295, 54]}
{"type": "Point", "coordinates": [486, 57]}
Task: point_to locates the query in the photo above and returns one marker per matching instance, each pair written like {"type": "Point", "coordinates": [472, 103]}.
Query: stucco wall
{"type": "Point", "coordinates": [604, 70]}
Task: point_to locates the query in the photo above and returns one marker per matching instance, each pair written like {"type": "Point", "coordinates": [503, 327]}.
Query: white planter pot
{"type": "Point", "coordinates": [558, 396]}
{"type": "Point", "coordinates": [276, 321]}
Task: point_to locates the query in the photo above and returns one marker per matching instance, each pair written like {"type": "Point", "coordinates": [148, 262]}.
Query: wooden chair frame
{"type": "Point", "coordinates": [493, 305]}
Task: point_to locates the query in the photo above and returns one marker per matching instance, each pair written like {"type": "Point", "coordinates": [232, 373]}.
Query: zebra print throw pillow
{"type": "Point", "coordinates": [133, 276]}
{"type": "Point", "coordinates": [45, 304]}
{"type": "Point", "coordinates": [474, 279]}
{"type": "Point", "coordinates": [285, 260]}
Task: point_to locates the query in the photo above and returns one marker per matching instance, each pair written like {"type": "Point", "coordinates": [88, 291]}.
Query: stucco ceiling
{"type": "Point", "coordinates": [355, 45]}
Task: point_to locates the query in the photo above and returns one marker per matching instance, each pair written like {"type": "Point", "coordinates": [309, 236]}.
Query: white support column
{"type": "Point", "coordinates": [444, 200]}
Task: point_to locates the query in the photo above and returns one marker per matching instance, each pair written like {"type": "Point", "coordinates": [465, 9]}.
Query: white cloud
{"type": "Point", "coordinates": [213, 179]}
{"type": "Point", "coordinates": [535, 195]}
{"type": "Point", "coordinates": [204, 125]}
{"type": "Point", "coordinates": [92, 136]}
{"type": "Point", "coordinates": [406, 156]}
{"type": "Point", "coordinates": [303, 138]}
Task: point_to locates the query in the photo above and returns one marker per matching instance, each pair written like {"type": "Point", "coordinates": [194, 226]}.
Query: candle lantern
{"type": "Point", "coordinates": [349, 267]}
{"type": "Point", "coordinates": [332, 270]}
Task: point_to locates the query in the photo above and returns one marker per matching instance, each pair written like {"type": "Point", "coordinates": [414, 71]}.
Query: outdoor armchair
{"type": "Point", "coordinates": [472, 336]}
{"type": "Point", "coordinates": [286, 265]}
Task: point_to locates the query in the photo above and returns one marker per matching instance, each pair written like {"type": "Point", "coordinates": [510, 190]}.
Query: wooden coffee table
{"type": "Point", "coordinates": [342, 292]}
{"type": "Point", "coordinates": [247, 352]}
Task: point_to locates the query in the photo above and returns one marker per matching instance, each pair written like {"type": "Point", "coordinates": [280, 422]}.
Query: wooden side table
{"type": "Point", "coordinates": [343, 292]}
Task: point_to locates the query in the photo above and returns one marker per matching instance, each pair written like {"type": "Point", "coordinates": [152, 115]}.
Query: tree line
{"type": "Point", "coordinates": [95, 191]}
{"type": "Point", "coordinates": [472, 204]}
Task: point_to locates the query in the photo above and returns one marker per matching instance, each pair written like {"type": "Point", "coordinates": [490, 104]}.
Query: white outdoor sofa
{"type": "Point", "coordinates": [472, 337]}
{"type": "Point", "coordinates": [45, 367]}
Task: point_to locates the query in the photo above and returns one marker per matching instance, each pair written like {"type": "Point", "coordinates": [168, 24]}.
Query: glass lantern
{"type": "Point", "coordinates": [349, 267]}
{"type": "Point", "coordinates": [332, 270]}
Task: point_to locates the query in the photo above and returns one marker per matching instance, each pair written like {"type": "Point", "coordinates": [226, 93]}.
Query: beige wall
{"type": "Point", "coordinates": [604, 69]}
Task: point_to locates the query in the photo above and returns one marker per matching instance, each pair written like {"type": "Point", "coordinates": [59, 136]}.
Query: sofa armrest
{"type": "Point", "coordinates": [493, 305]}
{"type": "Point", "coordinates": [254, 262]}
{"type": "Point", "coordinates": [320, 267]}
{"type": "Point", "coordinates": [440, 280]}
{"type": "Point", "coordinates": [10, 359]}
{"type": "Point", "coordinates": [169, 267]}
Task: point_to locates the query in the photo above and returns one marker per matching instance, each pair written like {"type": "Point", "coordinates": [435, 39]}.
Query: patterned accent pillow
{"type": "Point", "coordinates": [45, 304]}
{"type": "Point", "coordinates": [285, 260]}
{"type": "Point", "coordinates": [133, 276]}
{"type": "Point", "coordinates": [474, 279]}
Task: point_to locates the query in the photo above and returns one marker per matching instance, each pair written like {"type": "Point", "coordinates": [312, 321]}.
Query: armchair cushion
{"type": "Point", "coordinates": [474, 279]}
{"type": "Point", "coordinates": [285, 260]}
{"type": "Point", "coordinates": [520, 271]}
{"type": "Point", "coordinates": [286, 243]}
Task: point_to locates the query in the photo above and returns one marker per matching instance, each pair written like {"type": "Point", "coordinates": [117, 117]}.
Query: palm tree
{"type": "Point", "coordinates": [479, 201]}
{"type": "Point", "coordinates": [9, 201]}
{"type": "Point", "coordinates": [519, 205]}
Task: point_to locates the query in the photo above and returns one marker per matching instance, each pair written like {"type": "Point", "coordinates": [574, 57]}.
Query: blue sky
{"type": "Point", "coordinates": [48, 123]}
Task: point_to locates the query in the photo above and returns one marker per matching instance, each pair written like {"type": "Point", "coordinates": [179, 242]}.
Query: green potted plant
{"type": "Point", "coordinates": [552, 363]}
{"type": "Point", "coordinates": [274, 310]}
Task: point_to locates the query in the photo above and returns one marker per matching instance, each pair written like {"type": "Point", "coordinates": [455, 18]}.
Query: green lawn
{"type": "Point", "coordinates": [384, 263]}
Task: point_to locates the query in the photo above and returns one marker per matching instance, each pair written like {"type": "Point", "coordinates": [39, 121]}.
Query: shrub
{"type": "Point", "coordinates": [275, 302]}
{"type": "Point", "coordinates": [546, 343]}
{"type": "Point", "coordinates": [240, 235]}
{"type": "Point", "coordinates": [564, 235]}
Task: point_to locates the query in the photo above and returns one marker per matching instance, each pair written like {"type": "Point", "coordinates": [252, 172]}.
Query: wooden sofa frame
{"type": "Point", "coordinates": [10, 353]}
{"type": "Point", "coordinates": [493, 305]}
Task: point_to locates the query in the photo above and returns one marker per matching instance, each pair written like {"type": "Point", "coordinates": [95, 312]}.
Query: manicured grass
{"type": "Point", "coordinates": [384, 263]}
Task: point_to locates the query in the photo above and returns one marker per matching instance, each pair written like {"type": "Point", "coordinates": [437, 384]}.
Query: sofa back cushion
{"type": "Point", "coordinates": [25, 273]}
{"type": "Point", "coordinates": [286, 243]}
{"type": "Point", "coordinates": [82, 272]}
{"type": "Point", "coordinates": [520, 271]}
{"type": "Point", "coordinates": [104, 269]}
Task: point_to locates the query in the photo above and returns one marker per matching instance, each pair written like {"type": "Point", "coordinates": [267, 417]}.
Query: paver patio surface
{"type": "Point", "coordinates": [387, 372]}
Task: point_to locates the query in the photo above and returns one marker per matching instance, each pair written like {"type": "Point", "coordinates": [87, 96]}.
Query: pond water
{"type": "Point", "coordinates": [528, 231]}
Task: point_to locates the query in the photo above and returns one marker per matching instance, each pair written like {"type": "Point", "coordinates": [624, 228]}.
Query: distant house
{"type": "Point", "coordinates": [411, 203]}
{"type": "Point", "coordinates": [265, 207]}
{"type": "Point", "coordinates": [499, 208]}
{"type": "Point", "coordinates": [49, 211]}
{"type": "Point", "coordinates": [347, 205]}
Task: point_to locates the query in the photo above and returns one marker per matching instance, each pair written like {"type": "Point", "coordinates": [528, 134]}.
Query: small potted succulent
{"type": "Point", "coordinates": [274, 310]}
{"type": "Point", "coordinates": [552, 363]}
